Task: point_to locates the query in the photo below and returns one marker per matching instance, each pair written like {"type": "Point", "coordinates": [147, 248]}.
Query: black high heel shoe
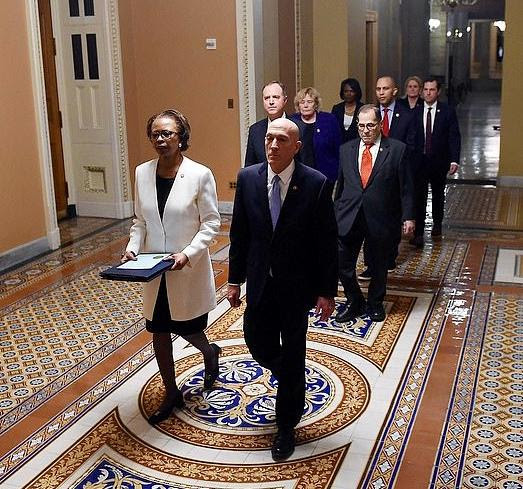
{"type": "Point", "coordinates": [166, 409]}
{"type": "Point", "coordinates": [211, 375]}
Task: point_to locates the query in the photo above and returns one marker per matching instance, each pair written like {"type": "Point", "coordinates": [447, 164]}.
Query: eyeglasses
{"type": "Point", "coordinates": [370, 126]}
{"type": "Point", "coordinates": [165, 134]}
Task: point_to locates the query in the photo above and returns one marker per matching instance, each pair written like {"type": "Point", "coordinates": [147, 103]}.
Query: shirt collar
{"type": "Point", "coordinates": [285, 175]}
{"type": "Point", "coordinates": [426, 106]}
{"type": "Point", "coordinates": [390, 107]}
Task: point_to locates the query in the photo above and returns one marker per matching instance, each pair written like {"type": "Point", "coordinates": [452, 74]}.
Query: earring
{"type": "Point", "coordinates": [179, 145]}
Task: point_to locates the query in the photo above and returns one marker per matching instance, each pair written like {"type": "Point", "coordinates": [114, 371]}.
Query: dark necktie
{"type": "Point", "coordinates": [386, 127]}
{"type": "Point", "coordinates": [366, 165]}
{"type": "Point", "coordinates": [275, 200]}
{"type": "Point", "coordinates": [428, 132]}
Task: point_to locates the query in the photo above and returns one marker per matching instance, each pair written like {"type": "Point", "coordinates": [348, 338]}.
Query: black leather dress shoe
{"type": "Point", "coordinates": [436, 231]}
{"type": "Point", "coordinates": [211, 375]}
{"type": "Point", "coordinates": [376, 313]}
{"type": "Point", "coordinates": [417, 241]}
{"type": "Point", "coordinates": [166, 409]}
{"type": "Point", "coordinates": [283, 446]}
{"type": "Point", "coordinates": [356, 309]}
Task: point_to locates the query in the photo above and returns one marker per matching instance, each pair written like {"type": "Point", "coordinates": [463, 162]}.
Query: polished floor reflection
{"type": "Point", "coordinates": [478, 117]}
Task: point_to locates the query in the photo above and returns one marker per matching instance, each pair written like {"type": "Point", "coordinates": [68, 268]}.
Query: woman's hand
{"type": "Point", "coordinates": [128, 255]}
{"type": "Point", "coordinates": [180, 260]}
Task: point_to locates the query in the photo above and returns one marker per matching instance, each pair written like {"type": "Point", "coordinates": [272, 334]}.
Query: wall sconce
{"type": "Point", "coordinates": [500, 24]}
{"type": "Point", "coordinates": [434, 24]}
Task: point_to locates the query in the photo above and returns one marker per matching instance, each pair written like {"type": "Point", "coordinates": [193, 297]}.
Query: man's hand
{"type": "Point", "coordinates": [453, 168]}
{"type": "Point", "coordinates": [325, 305]}
{"type": "Point", "coordinates": [233, 295]}
{"type": "Point", "coordinates": [409, 227]}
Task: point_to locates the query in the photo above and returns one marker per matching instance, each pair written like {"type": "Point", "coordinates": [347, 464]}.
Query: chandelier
{"type": "Point", "coordinates": [457, 3]}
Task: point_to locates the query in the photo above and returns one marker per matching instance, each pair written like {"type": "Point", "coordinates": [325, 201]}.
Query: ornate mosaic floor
{"type": "Point", "coordinates": [431, 397]}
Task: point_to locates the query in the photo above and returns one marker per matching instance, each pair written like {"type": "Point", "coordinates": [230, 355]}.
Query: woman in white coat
{"type": "Point", "coordinates": [176, 212]}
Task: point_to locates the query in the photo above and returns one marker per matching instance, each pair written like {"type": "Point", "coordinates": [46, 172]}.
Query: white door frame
{"type": "Point", "coordinates": [122, 206]}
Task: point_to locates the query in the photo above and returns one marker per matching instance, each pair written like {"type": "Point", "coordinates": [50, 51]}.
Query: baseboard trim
{"type": "Point", "coordinates": [510, 181]}
{"type": "Point", "coordinates": [225, 207]}
{"type": "Point", "coordinates": [23, 253]}
{"type": "Point", "coordinates": [115, 210]}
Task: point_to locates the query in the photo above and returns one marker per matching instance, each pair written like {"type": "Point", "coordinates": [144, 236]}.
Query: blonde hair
{"type": "Point", "coordinates": [312, 92]}
{"type": "Point", "coordinates": [415, 78]}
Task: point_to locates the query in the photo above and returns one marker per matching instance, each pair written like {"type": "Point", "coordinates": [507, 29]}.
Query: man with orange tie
{"type": "Point", "coordinates": [374, 191]}
{"type": "Point", "coordinates": [398, 122]}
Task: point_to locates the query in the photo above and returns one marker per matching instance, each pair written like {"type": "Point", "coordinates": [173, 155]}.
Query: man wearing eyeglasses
{"type": "Point", "coordinates": [374, 191]}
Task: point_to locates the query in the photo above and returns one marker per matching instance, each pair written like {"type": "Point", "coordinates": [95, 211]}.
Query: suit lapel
{"type": "Point", "coordinates": [353, 160]}
{"type": "Point", "coordinates": [262, 196]}
{"type": "Point", "coordinates": [383, 153]}
{"type": "Point", "coordinates": [292, 197]}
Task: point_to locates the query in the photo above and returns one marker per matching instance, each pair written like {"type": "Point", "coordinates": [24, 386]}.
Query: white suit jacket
{"type": "Point", "coordinates": [190, 222]}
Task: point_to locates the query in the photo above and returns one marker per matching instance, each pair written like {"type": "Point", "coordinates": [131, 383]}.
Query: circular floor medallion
{"type": "Point", "coordinates": [239, 412]}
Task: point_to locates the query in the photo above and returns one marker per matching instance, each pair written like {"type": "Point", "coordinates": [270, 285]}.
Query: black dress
{"type": "Point", "coordinates": [162, 322]}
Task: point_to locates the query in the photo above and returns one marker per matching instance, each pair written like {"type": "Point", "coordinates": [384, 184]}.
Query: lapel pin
{"type": "Point", "coordinates": [397, 115]}
{"type": "Point", "coordinates": [318, 129]}
{"type": "Point", "coordinates": [437, 110]}
{"type": "Point", "coordinates": [294, 187]}
{"type": "Point", "coordinates": [381, 149]}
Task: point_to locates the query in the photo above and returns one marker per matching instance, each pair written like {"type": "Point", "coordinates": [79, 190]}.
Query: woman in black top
{"type": "Point", "coordinates": [346, 112]}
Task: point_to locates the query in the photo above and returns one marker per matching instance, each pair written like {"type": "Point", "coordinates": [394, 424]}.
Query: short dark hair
{"type": "Point", "coordinates": [395, 85]}
{"type": "Point", "coordinates": [371, 108]}
{"type": "Point", "coordinates": [430, 79]}
{"type": "Point", "coordinates": [276, 82]}
{"type": "Point", "coordinates": [354, 85]}
{"type": "Point", "coordinates": [183, 127]}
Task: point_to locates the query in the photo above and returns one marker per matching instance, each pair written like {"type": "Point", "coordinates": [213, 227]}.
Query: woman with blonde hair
{"type": "Point", "coordinates": [413, 90]}
{"type": "Point", "coordinates": [320, 136]}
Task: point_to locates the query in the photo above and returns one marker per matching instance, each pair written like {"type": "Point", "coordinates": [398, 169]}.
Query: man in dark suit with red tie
{"type": "Point", "coordinates": [438, 123]}
{"type": "Point", "coordinates": [283, 243]}
{"type": "Point", "coordinates": [374, 193]}
{"type": "Point", "coordinates": [398, 122]}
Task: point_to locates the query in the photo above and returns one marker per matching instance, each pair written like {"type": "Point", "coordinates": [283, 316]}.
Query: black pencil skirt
{"type": "Point", "coordinates": [162, 322]}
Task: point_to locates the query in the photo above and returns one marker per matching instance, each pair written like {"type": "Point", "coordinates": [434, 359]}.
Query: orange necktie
{"type": "Point", "coordinates": [366, 165]}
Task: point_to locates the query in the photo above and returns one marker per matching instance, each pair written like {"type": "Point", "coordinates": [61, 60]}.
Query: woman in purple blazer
{"type": "Point", "coordinates": [321, 136]}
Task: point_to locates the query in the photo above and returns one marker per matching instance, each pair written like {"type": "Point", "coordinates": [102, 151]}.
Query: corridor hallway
{"type": "Point", "coordinates": [431, 397]}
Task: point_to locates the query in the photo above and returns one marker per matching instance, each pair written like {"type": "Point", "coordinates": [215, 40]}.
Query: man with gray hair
{"type": "Point", "coordinates": [374, 191]}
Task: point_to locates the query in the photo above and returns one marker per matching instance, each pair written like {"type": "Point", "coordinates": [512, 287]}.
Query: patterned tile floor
{"type": "Point", "coordinates": [431, 397]}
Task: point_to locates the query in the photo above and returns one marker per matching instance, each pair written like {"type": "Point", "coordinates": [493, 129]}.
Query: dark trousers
{"type": "Point", "coordinates": [393, 254]}
{"type": "Point", "coordinates": [379, 252]}
{"type": "Point", "coordinates": [434, 174]}
{"type": "Point", "coordinates": [275, 331]}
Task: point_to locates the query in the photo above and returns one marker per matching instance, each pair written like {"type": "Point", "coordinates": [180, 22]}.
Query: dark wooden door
{"type": "Point", "coordinates": [53, 108]}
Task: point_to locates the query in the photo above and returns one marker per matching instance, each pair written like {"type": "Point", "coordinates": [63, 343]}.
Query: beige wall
{"type": "Point", "coordinates": [510, 164]}
{"type": "Point", "coordinates": [21, 197]}
{"type": "Point", "coordinates": [165, 64]}
{"type": "Point", "coordinates": [330, 31]}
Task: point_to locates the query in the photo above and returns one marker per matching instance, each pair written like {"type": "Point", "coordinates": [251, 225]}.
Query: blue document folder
{"type": "Point", "coordinates": [136, 275]}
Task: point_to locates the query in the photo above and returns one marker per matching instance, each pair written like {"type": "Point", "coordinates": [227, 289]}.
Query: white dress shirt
{"type": "Point", "coordinates": [390, 113]}
{"type": "Point", "coordinates": [373, 151]}
{"type": "Point", "coordinates": [285, 177]}
{"type": "Point", "coordinates": [432, 115]}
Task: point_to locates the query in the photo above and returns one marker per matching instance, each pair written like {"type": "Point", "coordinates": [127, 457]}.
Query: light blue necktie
{"type": "Point", "coordinates": [275, 200]}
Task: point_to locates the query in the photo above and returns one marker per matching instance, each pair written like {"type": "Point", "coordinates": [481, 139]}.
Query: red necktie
{"type": "Point", "coordinates": [366, 165]}
{"type": "Point", "coordinates": [428, 132]}
{"type": "Point", "coordinates": [385, 129]}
